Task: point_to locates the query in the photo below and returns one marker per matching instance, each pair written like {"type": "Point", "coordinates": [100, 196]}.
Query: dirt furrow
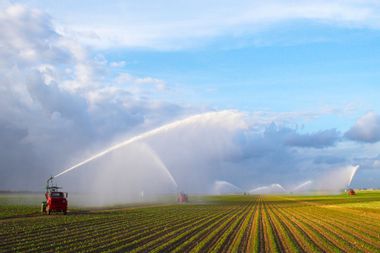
{"type": "Point", "coordinates": [244, 242]}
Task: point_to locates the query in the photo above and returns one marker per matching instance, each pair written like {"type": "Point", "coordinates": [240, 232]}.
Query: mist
{"type": "Point", "coordinates": [186, 155]}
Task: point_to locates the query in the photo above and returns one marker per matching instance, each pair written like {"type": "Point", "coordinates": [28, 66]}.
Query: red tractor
{"type": "Point", "coordinates": [182, 198]}
{"type": "Point", "coordinates": [56, 201]}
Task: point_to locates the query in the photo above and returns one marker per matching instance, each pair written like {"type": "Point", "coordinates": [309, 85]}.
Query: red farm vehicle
{"type": "Point", "coordinates": [350, 192]}
{"type": "Point", "coordinates": [182, 198]}
{"type": "Point", "coordinates": [56, 201]}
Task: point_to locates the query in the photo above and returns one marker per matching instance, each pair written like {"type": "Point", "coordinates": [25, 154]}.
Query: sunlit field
{"type": "Point", "coordinates": [232, 223]}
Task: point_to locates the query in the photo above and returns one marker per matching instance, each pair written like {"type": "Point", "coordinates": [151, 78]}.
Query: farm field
{"type": "Point", "coordinates": [212, 223]}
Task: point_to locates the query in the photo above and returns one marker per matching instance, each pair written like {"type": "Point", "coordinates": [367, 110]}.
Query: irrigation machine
{"type": "Point", "coordinates": [56, 200]}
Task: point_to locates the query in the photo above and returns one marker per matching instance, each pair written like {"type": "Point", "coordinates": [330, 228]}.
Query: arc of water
{"type": "Point", "coordinates": [268, 187]}
{"type": "Point", "coordinates": [161, 164]}
{"type": "Point", "coordinates": [354, 170]}
{"type": "Point", "coordinates": [219, 184]}
{"type": "Point", "coordinates": [278, 186]}
{"type": "Point", "coordinates": [140, 137]}
{"type": "Point", "coordinates": [302, 185]}
{"type": "Point", "coordinates": [259, 188]}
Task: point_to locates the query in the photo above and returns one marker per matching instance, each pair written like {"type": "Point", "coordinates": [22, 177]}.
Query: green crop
{"type": "Point", "coordinates": [287, 223]}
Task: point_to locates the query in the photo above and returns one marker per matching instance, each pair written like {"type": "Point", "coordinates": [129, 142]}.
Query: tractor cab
{"type": "Point", "coordinates": [56, 200]}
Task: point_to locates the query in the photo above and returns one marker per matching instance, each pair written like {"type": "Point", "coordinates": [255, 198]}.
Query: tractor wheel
{"type": "Point", "coordinates": [64, 212]}
{"type": "Point", "coordinates": [43, 208]}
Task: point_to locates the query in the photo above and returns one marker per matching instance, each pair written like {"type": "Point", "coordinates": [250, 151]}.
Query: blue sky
{"type": "Point", "coordinates": [310, 68]}
{"type": "Point", "coordinates": [310, 57]}
{"type": "Point", "coordinates": [278, 77]}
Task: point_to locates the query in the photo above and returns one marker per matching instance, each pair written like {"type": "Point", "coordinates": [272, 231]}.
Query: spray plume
{"type": "Point", "coordinates": [159, 130]}
{"type": "Point", "coordinates": [273, 188]}
{"type": "Point", "coordinates": [336, 179]}
{"type": "Point", "coordinates": [354, 170]}
{"type": "Point", "coordinates": [224, 187]}
{"type": "Point", "coordinates": [161, 165]}
{"type": "Point", "coordinates": [302, 185]}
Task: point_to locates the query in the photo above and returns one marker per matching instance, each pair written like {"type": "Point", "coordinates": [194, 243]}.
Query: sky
{"type": "Point", "coordinates": [302, 76]}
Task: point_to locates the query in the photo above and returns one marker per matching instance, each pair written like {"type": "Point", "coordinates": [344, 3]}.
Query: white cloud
{"type": "Point", "coordinates": [264, 118]}
{"type": "Point", "coordinates": [177, 24]}
{"type": "Point", "coordinates": [138, 84]}
{"type": "Point", "coordinates": [366, 129]}
{"type": "Point", "coordinates": [118, 64]}
{"type": "Point", "coordinates": [59, 98]}
{"type": "Point", "coordinates": [320, 139]}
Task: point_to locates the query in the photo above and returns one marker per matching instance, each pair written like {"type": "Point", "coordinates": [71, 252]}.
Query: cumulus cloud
{"type": "Point", "coordinates": [366, 129]}
{"type": "Point", "coordinates": [55, 99]}
{"type": "Point", "coordinates": [16, 153]}
{"type": "Point", "coordinates": [28, 37]}
{"type": "Point", "coordinates": [321, 139]}
{"type": "Point", "coordinates": [140, 84]}
{"type": "Point", "coordinates": [286, 136]}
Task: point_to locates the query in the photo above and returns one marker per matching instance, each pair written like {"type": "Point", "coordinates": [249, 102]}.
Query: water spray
{"type": "Point", "coordinates": [278, 186]}
{"type": "Point", "coordinates": [220, 187]}
{"type": "Point", "coordinates": [302, 185]}
{"type": "Point", "coordinates": [355, 169]}
{"type": "Point", "coordinates": [161, 165]}
{"type": "Point", "coordinates": [268, 188]}
{"type": "Point", "coordinates": [144, 136]}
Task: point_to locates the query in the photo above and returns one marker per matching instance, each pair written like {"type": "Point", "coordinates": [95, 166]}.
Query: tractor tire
{"type": "Point", "coordinates": [64, 212]}
{"type": "Point", "coordinates": [43, 208]}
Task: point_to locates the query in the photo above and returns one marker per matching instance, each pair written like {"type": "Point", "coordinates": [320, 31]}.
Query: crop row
{"type": "Point", "coordinates": [313, 228]}
{"type": "Point", "coordinates": [105, 230]}
{"type": "Point", "coordinates": [226, 224]}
